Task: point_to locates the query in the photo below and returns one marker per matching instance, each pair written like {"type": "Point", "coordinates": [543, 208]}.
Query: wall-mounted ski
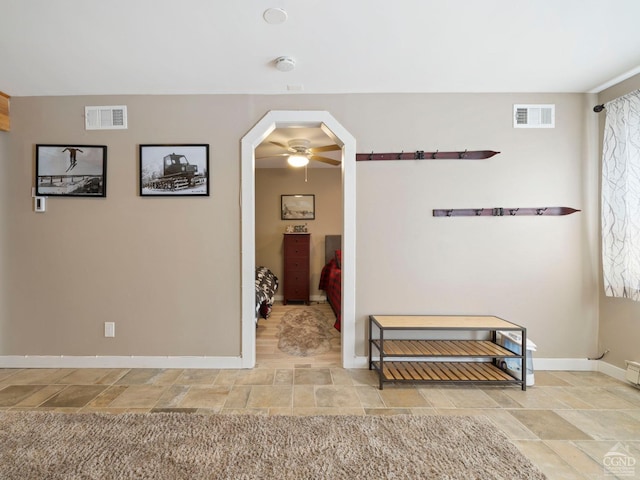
{"type": "Point", "coordinates": [502, 212]}
{"type": "Point", "coordinates": [422, 155]}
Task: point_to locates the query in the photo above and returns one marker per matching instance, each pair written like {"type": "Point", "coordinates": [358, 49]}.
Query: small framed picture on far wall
{"type": "Point", "coordinates": [298, 207]}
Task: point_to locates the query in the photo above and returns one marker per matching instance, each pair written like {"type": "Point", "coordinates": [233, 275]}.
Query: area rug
{"type": "Point", "coordinates": [173, 446]}
{"type": "Point", "coordinates": [304, 332]}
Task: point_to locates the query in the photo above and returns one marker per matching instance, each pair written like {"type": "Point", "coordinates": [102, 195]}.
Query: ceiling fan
{"type": "Point", "coordinates": [300, 153]}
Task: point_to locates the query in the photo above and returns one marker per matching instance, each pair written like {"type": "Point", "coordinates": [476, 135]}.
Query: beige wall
{"type": "Point", "coordinates": [87, 261]}
{"type": "Point", "coordinates": [166, 270]}
{"type": "Point", "coordinates": [325, 184]}
{"type": "Point", "coordinates": [530, 270]}
{"type": "Point", "coordinates": [619, 317]}
{"type": "Point", "coordinates": [4, 159]}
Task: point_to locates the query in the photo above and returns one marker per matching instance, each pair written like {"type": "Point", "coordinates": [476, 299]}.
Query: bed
{"type": "Point", "coordinates": [266, 288]}
{"type": "Point", "coordinates": [331, 275]}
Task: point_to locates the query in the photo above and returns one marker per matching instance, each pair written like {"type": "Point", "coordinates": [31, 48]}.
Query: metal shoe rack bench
{"type": "Point", "coordinates": [431, 360]}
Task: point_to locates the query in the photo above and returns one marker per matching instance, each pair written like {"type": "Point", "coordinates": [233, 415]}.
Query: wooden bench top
{"type": "Point", "coordinates": [444, 322]}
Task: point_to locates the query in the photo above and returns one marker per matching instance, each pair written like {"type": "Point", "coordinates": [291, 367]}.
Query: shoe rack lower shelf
{"type": "Point", "coordinates": [433, 360]}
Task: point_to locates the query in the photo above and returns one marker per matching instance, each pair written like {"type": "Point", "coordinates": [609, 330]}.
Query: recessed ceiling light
{"type": "Point", "coordinates": [275, 16]}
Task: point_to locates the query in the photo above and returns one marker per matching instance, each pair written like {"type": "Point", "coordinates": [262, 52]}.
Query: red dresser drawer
{"type": "Point", "coordinates": [296, 267]}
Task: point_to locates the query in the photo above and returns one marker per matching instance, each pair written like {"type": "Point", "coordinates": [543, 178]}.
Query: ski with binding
{"type": "Point", "coordinates": [422, 155]}
{"type": "Point", "coordinates": [502, 212]}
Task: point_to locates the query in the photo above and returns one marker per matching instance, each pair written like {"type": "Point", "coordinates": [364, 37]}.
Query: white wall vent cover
{"type": "Point", "coordinates": [105, 118]}
{"type": "Point", "coordinates": [632, 373]}
{"type": "Point", "coordinates": [534, 116]}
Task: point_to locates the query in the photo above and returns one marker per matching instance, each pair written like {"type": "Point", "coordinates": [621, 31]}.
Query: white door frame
{"type": "Point", "coordinates": [286, 119]}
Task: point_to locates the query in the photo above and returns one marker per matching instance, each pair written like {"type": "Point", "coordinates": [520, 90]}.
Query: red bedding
{"type": "Point", "coordinates": [331, 283]}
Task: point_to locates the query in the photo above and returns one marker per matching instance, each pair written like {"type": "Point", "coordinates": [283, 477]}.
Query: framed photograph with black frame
{"type": "Point", "coordinates": [298, 207]}
{"type": "Point", "coordinates": [71, 170]}
{"type": "Point", "coordinates": [174, 170]}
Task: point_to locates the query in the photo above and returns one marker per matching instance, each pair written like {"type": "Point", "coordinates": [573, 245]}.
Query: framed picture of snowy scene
{"type": "Point", "coordinates": [71, 170]}
{"type": "Point", "coordinates": [174, 170]}
{"type": "Point", "coordinates": [298, 207]}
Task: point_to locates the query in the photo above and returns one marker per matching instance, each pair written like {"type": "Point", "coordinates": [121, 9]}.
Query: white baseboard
{"type": "Point", "coordinates": [549, 364]}
{"type": "Point", "coordinates": [68, 361]}
{"type": "Point", "coordinates": [358, 362]}
{"type": "Point", "coordinates": [579, 364]}
{"type": "Point", "coordinates": [575, 364]}
{"type": "Point", "coordinates": [611, 370]}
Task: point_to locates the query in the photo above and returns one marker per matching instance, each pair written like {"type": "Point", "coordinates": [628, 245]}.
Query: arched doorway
{"type": "Point", "coordinates": [286, 119]}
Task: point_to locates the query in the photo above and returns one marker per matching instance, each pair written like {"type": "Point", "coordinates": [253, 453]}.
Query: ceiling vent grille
{"type": "Point", "coordinates": [105, 118]}
{"type": "Point", "coordinates": [534, 116]}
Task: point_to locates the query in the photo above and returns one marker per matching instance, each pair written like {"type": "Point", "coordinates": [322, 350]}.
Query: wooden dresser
{"type": "Point", "coordinates": [296, 267]}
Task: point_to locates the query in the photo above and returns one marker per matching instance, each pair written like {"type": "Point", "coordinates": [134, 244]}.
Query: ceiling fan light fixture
{"type": "Point", "coordinates": [297, 160]}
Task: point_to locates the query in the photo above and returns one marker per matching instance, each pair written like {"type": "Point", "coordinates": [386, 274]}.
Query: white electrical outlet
{"type": "Point", "coordinates": [109, 329]}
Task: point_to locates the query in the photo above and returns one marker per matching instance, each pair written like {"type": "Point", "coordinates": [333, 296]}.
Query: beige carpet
{"type": "Point", "coordinates": [44, 445]}
{"type": "Point", "coordinates": [306, 332]}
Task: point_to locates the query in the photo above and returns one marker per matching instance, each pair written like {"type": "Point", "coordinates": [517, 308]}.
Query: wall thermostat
{"type": "Point", "coordinates": [39, 204]}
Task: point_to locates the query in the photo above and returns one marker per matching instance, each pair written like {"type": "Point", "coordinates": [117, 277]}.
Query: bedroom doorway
{"type": "Point", "coordinates": [292, 119]}
{"type": "Point", "coordinates": [301, 324]}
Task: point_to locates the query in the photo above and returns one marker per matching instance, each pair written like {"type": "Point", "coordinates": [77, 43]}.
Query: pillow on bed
{"type": "Point", "coordinates": [338, 255]}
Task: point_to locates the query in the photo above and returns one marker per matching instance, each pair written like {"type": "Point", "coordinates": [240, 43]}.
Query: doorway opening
{"type": "Point", "coordinates": [292, 119]}
{"type": "Point", "coordinates": [298, 225]}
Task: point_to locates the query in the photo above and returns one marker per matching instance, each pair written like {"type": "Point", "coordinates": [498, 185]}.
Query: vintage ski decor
{"type": "Point", "coordinates": [502, 212]}
{"type": "Point", "coordinates": [422, 155]}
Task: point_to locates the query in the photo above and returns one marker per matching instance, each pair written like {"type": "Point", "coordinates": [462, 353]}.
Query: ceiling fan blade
{"type": "Point", "coordinates": [328, 160]}
{"type": "Point", "coordinates": [326, 148]}
{"type": "Point", "coordinates": [274, 155]}
{"type": "Point", "coordinates": [281, 145]}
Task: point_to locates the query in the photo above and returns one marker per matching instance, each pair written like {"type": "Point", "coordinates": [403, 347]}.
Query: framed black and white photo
{"type": "Point", "coordinates": [174, 169]}
{"type": "Point", "coordinates": [298, 207]}
{"type": "Point", "coordinates": [71, 170]}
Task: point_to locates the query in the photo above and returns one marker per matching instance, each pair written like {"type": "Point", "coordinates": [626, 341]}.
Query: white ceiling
{"type": "Point", "coordinates": [116, 47]}
{"type": "Point", "coordinates": [76, 47]}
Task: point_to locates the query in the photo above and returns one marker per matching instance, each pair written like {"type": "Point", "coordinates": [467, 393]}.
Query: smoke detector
{"type": "Point", "coordinates": [275, 16]}
{"type": "Point", "coordinates": [285, 64]}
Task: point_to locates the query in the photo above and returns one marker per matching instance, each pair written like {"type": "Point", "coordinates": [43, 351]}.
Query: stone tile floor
{"type": "Point", "coordinates": [566, 423]}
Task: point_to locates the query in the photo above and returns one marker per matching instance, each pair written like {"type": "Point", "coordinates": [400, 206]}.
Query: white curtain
{"type": "Point", "coordinates": [621, 198]}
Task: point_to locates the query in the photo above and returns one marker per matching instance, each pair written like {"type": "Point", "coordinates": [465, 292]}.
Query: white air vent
{"type": "Point", "coordinates": [105, 118]}
{"type": "Point", "coordinates": [633, 372]}
{"type": "Point", "coordinates": [534, 116]}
